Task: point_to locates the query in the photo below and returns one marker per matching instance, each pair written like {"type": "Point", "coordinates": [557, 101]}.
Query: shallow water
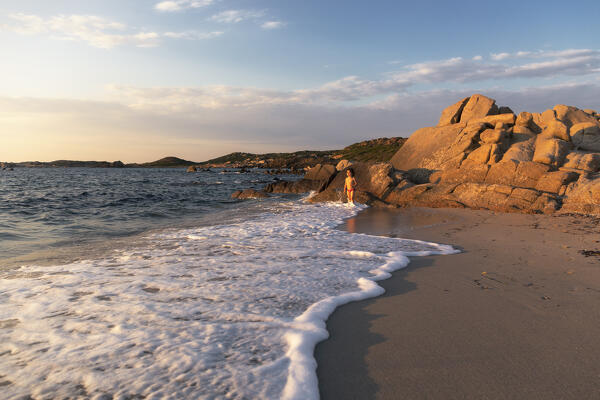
{"type": "Point", "coordinates": [61, 209]}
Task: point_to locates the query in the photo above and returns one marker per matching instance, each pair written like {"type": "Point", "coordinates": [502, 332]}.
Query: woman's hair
{"type": "Point", "coordinates": [351, 172]}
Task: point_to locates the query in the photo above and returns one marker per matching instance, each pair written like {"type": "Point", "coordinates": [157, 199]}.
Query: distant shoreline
{"type": "Point", "coordinates": [374, 150]}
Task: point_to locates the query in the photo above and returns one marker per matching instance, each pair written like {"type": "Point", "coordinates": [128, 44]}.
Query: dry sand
{"type": "Point", "coordinates": [516, 315]}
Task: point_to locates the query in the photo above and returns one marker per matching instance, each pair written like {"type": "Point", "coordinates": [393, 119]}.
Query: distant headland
{"type": "Point", "coordinates": [375, 150]}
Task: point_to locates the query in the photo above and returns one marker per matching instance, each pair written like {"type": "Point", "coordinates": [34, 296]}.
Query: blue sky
{"type": "Point", "coordinates": [199, 78]}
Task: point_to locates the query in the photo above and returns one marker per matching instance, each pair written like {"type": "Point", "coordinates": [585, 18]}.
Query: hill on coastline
{"type": "Point", "coordinates": [374, 150]}
{"type": "Point", "coordinates": [168, 162]}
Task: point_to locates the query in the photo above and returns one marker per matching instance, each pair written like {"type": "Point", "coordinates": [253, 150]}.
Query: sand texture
{"type": "Point", "coordinates": [516, 315]}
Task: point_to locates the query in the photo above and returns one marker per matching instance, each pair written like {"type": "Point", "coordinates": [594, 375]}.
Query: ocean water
{"type": "Point", "coordinates": [184, 293]}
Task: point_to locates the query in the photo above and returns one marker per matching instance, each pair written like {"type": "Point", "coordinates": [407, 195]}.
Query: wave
{"type": "Point", "coordinates": [222, 311]}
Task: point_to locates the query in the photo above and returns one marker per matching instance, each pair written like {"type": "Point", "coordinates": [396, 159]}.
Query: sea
{"type": "Point", "coordinates": [155, 284]}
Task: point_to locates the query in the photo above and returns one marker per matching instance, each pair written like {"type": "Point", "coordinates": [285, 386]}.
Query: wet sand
{"type": "Point", "coordinates": [516, 315]}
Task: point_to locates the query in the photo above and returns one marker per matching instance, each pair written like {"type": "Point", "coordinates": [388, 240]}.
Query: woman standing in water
{"type": "Point", "coordinates": [350, 185]}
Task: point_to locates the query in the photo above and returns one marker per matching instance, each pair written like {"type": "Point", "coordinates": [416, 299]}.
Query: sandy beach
{"type": "Point", "coordinates": [514, 316]}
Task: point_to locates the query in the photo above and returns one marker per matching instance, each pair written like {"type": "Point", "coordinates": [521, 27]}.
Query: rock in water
{"type": "Point", "coordinates": [248, 194]}
{"type": "Point", "coordinates": [320, 172]}
{"type": "Point", "coordinates": [316, 179]}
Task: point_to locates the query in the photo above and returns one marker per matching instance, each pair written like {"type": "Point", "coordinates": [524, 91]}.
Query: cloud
{"type": "Point", "coordinates": [545, 54]}
{"type": "Point", "coordinates": [235, 16]}
{"type": "Point", "coordinates": [272, 25]}
{"type": "Point", "coordinates": [193, 35]}
{"type": "Point", "coordinates": [572, 62]}
{"type": "Point", "coordinates": [94, 30]}
{"type": "Point", "coordinates": [147, 130]}
{"type": "Point", "coordinates": [500, 56]}
{"type": "Point", "coordinates": [178, 5]}
{"type": "Point", "coordinates": [465, 72]}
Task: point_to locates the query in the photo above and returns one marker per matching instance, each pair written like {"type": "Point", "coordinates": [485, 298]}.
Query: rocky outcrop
{"type": "Point", "coordinates": [478, 106]}
{"type": "Point", "coordinates": [316, 179]}
{"type": "Point", "coordinates": [452, 114]}
{"type": "Point", "coordinates": [583, 196]}
{"type": "Point", "coordinates": [481, 156]}
{"type": "Point", "coordinates": [320, 172]}
{"type": "Point", "coordinates": [375, 181]}
{"type": "Point", "coordinates": [248, 194]}
{"type": "Point", "coordinates": [342, 165]}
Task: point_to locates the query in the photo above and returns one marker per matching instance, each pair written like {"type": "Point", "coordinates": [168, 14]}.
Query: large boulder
{"type": "Point", "coordinates": [478, 106]}
{"type": "Point", "coordinates": [520, 151]}
{"type": "Point", "coordinates": [583, 196]}
{"type": "Point", "coordinates": [477, 196]}
{"type": "Point", "coordinates": [572, 115]}
{"type": "Point", "coordinates": [373, 181]}
{"type": "Point", "coordinates": [485, 154]}
{"type": "Point", "coordinates": [506, 119]}
{"type": "Point", "coordinates": [550, 151]}
{"type": "Point", "coordinates": [446, 146]}
{"type": "Point", "coordinates": [315, 180]}
{"type": "Point", "coordinates": [451, 115]}
{"type": "Point", "coordinates": [526, 120]}
{"type": "Point", "coordinates": [491, 136]}
{"type": "Point", "coordinates": [584, 161]}
{"type": "Point", "coordinates": [556, 181]}
{"type": "Point", "coordinates": [586, 136]}
{"type": "Point", "coordinates": [556, 129]}
{"type": "Point", "coordinates": [342, 165]}
{"type": "Point", "coordinates": [248, 194]}
{"type": "Point", "coordinates": [528, 173]}
{"type": "Point", "coordinates": [429, 148]}
{"type": "Point", "coordinates": [296, 187]}
{"type": "Point", "coordinates": [468, 172]}
{"type": "Point", "coordinates": [320, 172]}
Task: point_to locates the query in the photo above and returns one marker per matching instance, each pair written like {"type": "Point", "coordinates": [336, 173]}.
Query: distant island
{"type": "Point", "coordinates": [375, 150]}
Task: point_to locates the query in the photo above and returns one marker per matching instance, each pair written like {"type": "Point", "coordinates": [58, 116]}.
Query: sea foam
{"type": "Point", "coordinates": [225, 311]}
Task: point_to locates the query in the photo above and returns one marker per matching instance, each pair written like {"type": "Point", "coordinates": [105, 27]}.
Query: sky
{"type": "Point", "coordinates": [139, 80]}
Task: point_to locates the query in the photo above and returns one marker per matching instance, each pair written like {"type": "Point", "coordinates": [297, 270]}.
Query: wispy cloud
{"type": "Point", "coordinates": [346, 90]}
{"type": "Point", "coordinates": [94, 30]}
{"type": "Point", "coordinates": [571, 62]}
{"type": "Point", "coordinates": [272, 25]}
{"type": "Point", "coordinates": [545, 54]}
{"type": "Point", "coordinates": [193, 35]}
{"type": "Point", "coordinates": [235, 16]}
{"type": "Point", "coordinates": [178, 5]}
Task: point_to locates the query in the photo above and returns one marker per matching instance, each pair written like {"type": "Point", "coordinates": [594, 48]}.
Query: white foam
{"type": "Point", "coordinates": [226, 311]}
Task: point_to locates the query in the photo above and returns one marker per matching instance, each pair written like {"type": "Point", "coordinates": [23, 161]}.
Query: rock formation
{"type": "Point", "coordinates": [316, 179]}
{"type": "Point", "coordinates": [481, 156]}
{"type": "Point", "coordinates": [248, 194]}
